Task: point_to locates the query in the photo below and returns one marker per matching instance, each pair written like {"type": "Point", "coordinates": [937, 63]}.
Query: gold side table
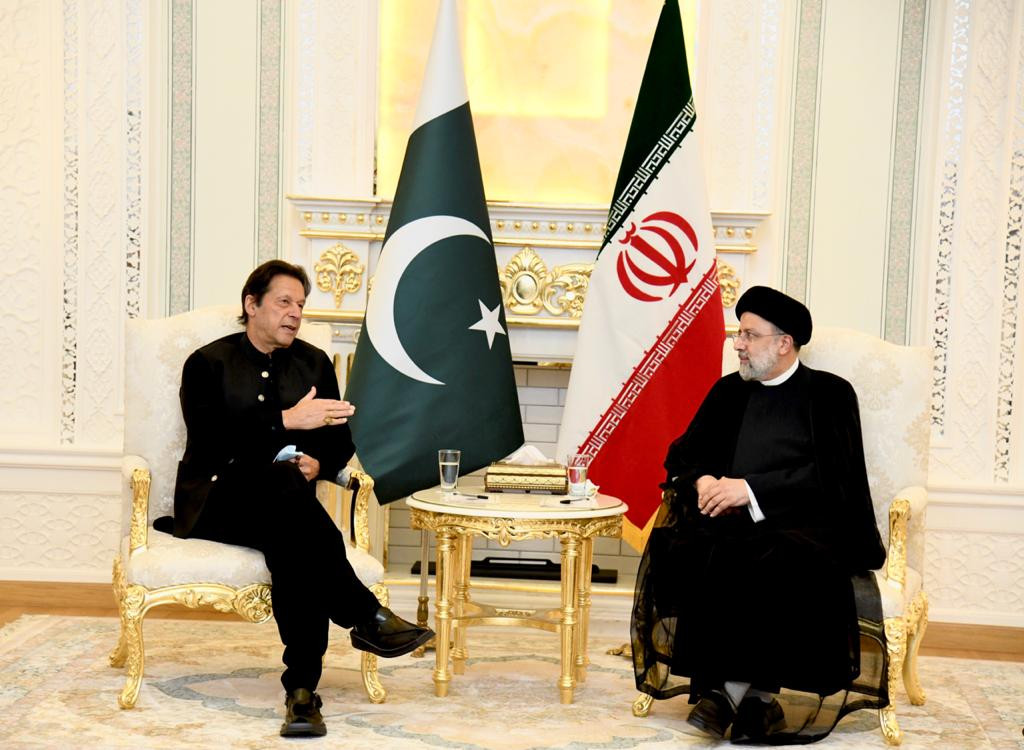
{"type": "Point", "coordinates": [509, 517]}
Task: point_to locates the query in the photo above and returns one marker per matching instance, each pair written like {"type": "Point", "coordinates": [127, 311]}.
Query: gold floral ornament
{"type": "Point", "coordinates": [528, 287]}
{"type": "Point", "coordinates": [728, 283]}
{"type": "Point", "coordinates": [339, 271]}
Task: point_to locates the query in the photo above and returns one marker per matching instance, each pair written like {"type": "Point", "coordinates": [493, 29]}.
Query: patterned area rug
{"type": "Point", "coordinates": [216, 684]}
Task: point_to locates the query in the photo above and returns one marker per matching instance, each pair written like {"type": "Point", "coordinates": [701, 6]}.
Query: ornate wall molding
{"type": "Point", "coordinates": [101, 216]}
{"type": "Point", "coordinates": [802, 150]}
{"type": "Point", "coordinates": [1009, 340]}
{"type": "Point", "coordinates": [180, 178]}
{"type": "Point", "coordinates": [335, 54]}
{"type": "Point", "coordinates": [765, 110]}
{"type": "Point", "coordinates": [268, 189]}
{"type": "Point", "coordinates": [69, 294]}
{"type": "Point", "coordinates": [952, 143]}
{"type": "Point", "coordinates": [339, 272]}
{"type": "Point", "coordinates": [739, 127]}
{"type": "Point", "coordinates": [528, 287]}
{"type": "Point", "coordinates": [903, 190]}
{"type": "Point", "coordinates": [133, 57]}
{"type": "Point", "coordinates": [971, 339]}
{"type": "Point", "coordinates": [306, 85]}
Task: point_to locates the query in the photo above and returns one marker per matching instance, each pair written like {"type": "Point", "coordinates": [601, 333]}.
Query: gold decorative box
{"type": "Point", "coordinates": [506, 477]}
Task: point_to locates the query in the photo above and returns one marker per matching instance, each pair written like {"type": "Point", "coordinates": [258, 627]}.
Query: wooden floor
{"type": "Point", "coordinates": [19, 598]}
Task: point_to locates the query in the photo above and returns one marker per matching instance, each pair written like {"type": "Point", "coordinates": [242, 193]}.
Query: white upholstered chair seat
{"type": "Point", "coordinates": [169, 561]}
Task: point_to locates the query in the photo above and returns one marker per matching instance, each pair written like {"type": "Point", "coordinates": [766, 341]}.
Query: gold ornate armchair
{"type": "Point", "coordinates": [893, 385]}
{"type": "Point", "coordinates": [152, 568]}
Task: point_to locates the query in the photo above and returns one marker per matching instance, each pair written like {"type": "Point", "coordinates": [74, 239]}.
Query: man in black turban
{"type": "Point", "coordinates": [745, 586]}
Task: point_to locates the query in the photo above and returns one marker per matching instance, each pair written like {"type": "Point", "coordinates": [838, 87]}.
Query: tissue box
{"type": "Point", "coordinates": [506, 477]}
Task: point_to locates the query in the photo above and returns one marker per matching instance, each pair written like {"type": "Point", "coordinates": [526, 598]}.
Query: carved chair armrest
{"type": "Point", "coordinates": [361, 504]}
{"type": "Point", "coordinates": [907, 502]}
{"type": "Point", "coordinates": [135, 472]}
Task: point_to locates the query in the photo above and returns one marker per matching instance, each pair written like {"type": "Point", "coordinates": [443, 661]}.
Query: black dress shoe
{"type": "Point", "coordinates": [302, 715]}
{"type": "Point", "coordinates": [756, 719]}
{"type": "Point", "coordinates": [713, 714]}
{"type": "Point", "coordinates": [386, 634]}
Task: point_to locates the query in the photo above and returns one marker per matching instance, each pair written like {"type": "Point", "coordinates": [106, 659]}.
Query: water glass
{"type": "Point", "coordinates": [576, 466]}
{"type": "Point", "coordinates": [448, 467]}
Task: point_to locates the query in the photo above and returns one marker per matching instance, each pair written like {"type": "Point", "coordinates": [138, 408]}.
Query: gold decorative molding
{"type": "Point", "coordinates": [729, 283]}
{"type": "Point", "coordinates": [896, 559]}
{"type": "Point", "coordinates": [528, 287]}
{"type": "Point", "coordinates": [138, 535]}
{"type": "Point", "coordinates": [508, 530]}
{"type": "Point", "coordinates": [522, 224]}
{"type": "Point", "coordinates": [339, 271]}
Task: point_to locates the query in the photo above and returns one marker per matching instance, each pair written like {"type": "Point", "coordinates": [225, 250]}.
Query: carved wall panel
{"type": "Point", "coordinates": [969, 574]}
{"type": "Point", "coordinates": [739, 69]}
{"type": "Point", "coordinates": [101, 222]}
{"type": "Point", "coordinates": [27, 292]}
{"type": "Point", "coordinates": [63, 535]}
{"type": "Point", "coordinates": [977, 207]}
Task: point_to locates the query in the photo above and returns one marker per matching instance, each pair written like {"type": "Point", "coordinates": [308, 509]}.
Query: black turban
{"type": "Point", "coordinates": [784, 312]}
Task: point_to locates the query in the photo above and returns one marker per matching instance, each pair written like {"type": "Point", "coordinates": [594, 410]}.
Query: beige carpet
{"type": "Point", "coordinates": [215, 685]}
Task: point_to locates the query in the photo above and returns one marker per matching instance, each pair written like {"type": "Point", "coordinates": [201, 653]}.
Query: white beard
{"type": "Point", "coordinates": [757, 366]}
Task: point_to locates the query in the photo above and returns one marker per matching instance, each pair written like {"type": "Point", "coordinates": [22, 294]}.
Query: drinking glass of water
{"type": "Point", "coordinates": [448, 466]}
{"type": "Point", "coordinates": [576, 465]}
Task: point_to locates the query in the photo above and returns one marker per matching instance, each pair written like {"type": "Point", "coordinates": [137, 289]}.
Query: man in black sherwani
{"type": "Point", "coordinates": [244, 398]}
{"type": "Point", "coordinates": [745, 585]}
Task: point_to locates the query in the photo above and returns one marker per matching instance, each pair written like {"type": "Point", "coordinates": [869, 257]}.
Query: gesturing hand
{"type": "Point", "coordinates": [312, 412]}
{"type": "Point", "coordinates": [721, 495]}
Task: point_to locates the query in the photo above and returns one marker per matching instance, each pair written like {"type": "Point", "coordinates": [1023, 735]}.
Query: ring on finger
{"type": "Point", "coordinates": [328, 420]}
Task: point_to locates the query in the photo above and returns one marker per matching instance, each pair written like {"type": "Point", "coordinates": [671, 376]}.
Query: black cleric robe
{"type": "Point", "coordinates": [774, 603]}
{"type": "Point", "coordinates": [232, 396]}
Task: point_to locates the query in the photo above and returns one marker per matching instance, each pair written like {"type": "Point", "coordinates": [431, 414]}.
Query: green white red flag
{"type": "Point", "coordinates": [650, 340]}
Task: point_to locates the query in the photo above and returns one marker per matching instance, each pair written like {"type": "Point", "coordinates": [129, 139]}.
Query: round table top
{"type": "Point", "coordinates": [536, 505]}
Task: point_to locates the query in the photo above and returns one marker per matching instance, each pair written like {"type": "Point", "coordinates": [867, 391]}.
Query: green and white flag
{"type": "Point", "coordinates": [433, 367]}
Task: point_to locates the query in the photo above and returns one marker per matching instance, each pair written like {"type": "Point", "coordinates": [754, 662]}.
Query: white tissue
{"type": "Point", "coordinates": [527, 455]}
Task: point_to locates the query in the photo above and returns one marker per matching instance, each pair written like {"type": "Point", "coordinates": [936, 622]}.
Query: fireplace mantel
{"type": "Point", "coordinates": [544, 255]}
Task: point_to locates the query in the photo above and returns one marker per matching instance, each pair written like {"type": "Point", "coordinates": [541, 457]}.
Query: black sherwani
{"type": "Point", "coordinates": [770, 603]}
{"type": "Point", "coordinates": [229, 489]}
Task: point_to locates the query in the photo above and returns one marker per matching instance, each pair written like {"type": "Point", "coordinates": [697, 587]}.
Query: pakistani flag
{"type": "Point", "coordinates": [650, 341]}
{"type": "Point", "coordinates": [433, 368]}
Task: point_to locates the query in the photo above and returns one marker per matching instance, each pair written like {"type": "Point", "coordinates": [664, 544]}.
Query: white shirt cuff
{"type": "Point", "coordinates": [755, 510]}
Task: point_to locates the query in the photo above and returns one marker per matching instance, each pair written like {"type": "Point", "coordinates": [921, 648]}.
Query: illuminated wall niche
{"type": "Point", "coordinates": [552, 85]}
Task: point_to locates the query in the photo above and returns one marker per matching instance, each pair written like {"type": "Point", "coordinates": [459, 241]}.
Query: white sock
{"type": "Point", "coordinates": [764, 695]}
{"type": "Point", "coordinates": [736, 691]}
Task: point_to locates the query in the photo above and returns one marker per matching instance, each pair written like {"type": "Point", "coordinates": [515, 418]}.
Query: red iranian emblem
{"type": "Point", "coordinates": [651, 264]}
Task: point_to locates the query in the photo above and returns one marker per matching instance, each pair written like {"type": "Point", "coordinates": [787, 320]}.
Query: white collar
{"type": "Point", "coordinates": [784, 376]}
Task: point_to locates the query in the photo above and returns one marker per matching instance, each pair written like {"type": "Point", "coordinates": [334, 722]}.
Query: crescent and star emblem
{"type": "Point", "coordinates": [664, 257]}
{"type": "Point", "coordinates": [398, 252]}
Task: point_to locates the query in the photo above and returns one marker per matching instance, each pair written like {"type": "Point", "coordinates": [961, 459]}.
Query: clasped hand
{"type": "Point", "coordinates": [717, 496]}
{"type": "Point", "coordinates": [308, 465]}
{"type": "Point", "coordinates": [312, 412]}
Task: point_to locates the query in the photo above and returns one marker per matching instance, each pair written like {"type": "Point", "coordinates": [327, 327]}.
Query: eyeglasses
{"type": "Point", "coordinates": [748, 337]}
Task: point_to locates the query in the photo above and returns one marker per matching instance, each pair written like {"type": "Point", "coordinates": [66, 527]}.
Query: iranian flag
{"type": "Point", "coordinates": [433, 368]}
{"type": "Point", "coordinates": [650, 340]}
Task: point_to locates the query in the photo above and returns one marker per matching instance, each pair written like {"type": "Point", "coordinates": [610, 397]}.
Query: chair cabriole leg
{"type": "Point", "coordinates": [918, 624]}
{"type": "Point", "coordinates": [368, 662]}
{"type": "Point", "coordinates": [896, 645]}
{"type": "Point", "coordinates": [133, 610]}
